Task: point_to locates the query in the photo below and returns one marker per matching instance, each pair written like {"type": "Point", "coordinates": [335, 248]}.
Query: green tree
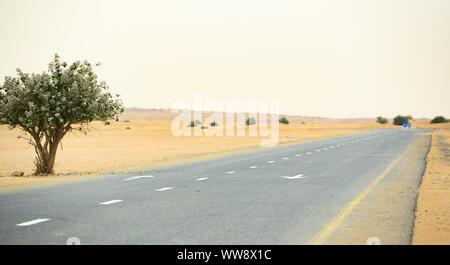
{"type": "Point", "coordinates": [49, 105]}
{"type": "Point", "coordinates": [439, 119]}
{"type": "Point", "coordinates": [283, 120]}
{"type": "Point", "coordinates": [399, 120]}
{"type": "Point", "coordinates": [382, 120]}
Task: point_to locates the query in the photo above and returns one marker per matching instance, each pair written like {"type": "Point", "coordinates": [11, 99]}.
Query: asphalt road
{"type": "Point", "coordinates": [283, 195]}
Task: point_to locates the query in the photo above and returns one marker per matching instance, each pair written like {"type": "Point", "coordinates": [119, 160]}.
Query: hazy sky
{"type": "Point", "coordinates": [324, 58]}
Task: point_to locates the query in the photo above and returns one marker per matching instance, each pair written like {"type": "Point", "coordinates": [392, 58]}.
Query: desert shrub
{"type": "Point", "coordinates": [399, 120]}
{"type": "Point", "coordinates": [439, 119]}
{"type": "Point", "coordinates": [214, 123]}
{"type": "Point", "coordinates": [192, 124]}
{"type": "Point", "coordinates": [382, 120]}
{"type": "Point", "coordinates": [204, 127]}
{"type": "Point", "coordinates": [283, 120]}
{"type": "Point", "coordinates": [250, 121]}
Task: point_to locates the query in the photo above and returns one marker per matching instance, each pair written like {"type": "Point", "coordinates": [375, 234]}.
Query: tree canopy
{"type": "Point", "coordinates": [399, 120]}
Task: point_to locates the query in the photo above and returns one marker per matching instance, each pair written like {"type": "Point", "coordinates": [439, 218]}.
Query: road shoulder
{"type": "Point", "coordinates": [432, 223]}
{"type": "Point", "coordinates": [385, 213]}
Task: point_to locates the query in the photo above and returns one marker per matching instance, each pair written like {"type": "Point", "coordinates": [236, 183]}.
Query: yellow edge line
{"type": "Point", "coordinates": [323, 235]}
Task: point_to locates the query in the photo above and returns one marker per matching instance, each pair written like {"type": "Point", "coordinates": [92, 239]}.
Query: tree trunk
{"type": "Point", "coordinates": [45, 160]}
{"type": "Point", "coordinates": [45, 144]}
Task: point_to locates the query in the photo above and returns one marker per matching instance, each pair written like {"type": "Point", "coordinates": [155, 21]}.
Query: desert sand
{"type": "Point", "coordinates": [432, 223]}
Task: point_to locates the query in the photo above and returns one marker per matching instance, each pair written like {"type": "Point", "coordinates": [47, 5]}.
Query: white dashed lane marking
{"type": "Point", "coordinates": [32, 222]}
{"type": "Point", "coordinates": [164, 189]}
{"type": "Point", "coordinates": [253, 167]}
{"type": "Point", "coordinates": [271, 161]}
{"type": "Point", "coordinates": [110, 202]}
{"type": "Point", "coordinates": [202, 179]}
{"type": "Point", "coordinates": [317, 150]}
{"type": "Point", "coordinates": [285, 158]}
{"type": "Point", "coordinates": [300, 176]}
{"type": "Point", "coordinates": [230, 172]}
{"type": "Point", "coordinates": [308, 153]}
{"type": "Point", "coordinates": [298, 155]}
{"type": "Point", "coordinates": [139, 177]}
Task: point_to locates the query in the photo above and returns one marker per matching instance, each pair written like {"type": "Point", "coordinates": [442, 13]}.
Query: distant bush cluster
{"type": "Point", "coordinates": [382, 120]}
{"type": "Point", "coordinates": [399, 120]}
{"type": "Point", "coordinates": [439, 119]}
{"type": "Point", "coordinates": [197, 122]}
{"type": "Point", "coordinates": [283, 120]}
{"type": "Point", "coordinates": [194, 123]}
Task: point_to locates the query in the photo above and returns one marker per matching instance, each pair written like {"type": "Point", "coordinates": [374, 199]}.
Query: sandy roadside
{"type": "Point", "coordinates": [372, 214]}
{"type": "Point", "coordinates": [432, 222]}
{"type": "Point", "coordinates": [137, 145]}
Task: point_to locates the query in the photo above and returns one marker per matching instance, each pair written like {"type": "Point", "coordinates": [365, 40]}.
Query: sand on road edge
{"type": "Point", "coordinates": [372, 215]}
{"type": "Point", "coordinates": [432, 222]}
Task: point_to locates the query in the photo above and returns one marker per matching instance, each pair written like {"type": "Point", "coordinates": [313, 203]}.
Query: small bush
{"type": "Point", "coordinates": [204, 127]}
{"type": "Point", "coordinates": [283, 120]}
{"type": "Point", "coordinates": [439, 119]}
{"type": "Point", "coordinates": [214, 123]}
{"type": "Point", "coordinates": [250, 121]}
{"type": "Point", "coordinates": [399, 120]}
{"type": "Point", "coordinates": [192, 124]}
{"type": "Point", "coordinates": [382, 120]}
